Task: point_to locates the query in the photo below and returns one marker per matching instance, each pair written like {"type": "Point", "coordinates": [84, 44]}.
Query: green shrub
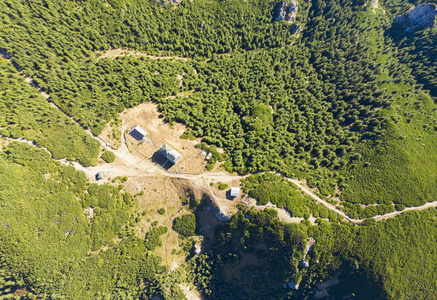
{"type": "Point", "coordinates": [153, 237]}
{"type": "Point", "coordinates": [399, 207]}
{"type": "Point", "coordinates": [185, 225]}
{"type": "Point", "coordinates": [222, 186]}
{"type": "Point", "coordinates": [161, 211]}
{"type": "Point", "coordinates": [108, 156]}
{"type": "Point", "coordinates": [369, 222]}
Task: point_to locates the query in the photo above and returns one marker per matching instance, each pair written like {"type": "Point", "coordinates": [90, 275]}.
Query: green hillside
{"type": "Point", "coordinates": [346, 104]}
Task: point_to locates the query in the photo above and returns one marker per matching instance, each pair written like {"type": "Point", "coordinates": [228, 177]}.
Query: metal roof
{"type": "Point", "coordinates": [235, 191]}
{"type": "Point", "coordinates": [138, 133]}
{"type": "Point", "coordinates": [171, 154]}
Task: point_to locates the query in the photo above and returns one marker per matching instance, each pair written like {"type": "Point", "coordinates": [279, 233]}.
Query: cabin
{"type": "Point", "coordinates": [235, 192]}
{"type": "Point", "coordinates": [170, 154]}
{"type": "Point", "coordinates": [138, 133]}
{"type": "Point", "coordinates": [99, 175]}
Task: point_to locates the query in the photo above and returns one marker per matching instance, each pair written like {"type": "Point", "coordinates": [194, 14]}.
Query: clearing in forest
{"type": "Point", "coordinates": [123, 52]}
{"type": "Point", "coordinates": [147, 116]}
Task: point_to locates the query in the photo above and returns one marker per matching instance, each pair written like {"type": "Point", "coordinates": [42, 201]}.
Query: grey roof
{"type": "Point", "coordinates": [169, 153]}
{"type": "Point", "coordinates": [138, 133]}
{"type": "Point", "coordinates": [235, 191]}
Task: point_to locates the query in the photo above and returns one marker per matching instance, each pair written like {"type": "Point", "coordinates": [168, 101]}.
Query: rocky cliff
{"type": "Point", "coordinates": [287, 11]}
{"type": "Point", "coordinates": [418, 17]}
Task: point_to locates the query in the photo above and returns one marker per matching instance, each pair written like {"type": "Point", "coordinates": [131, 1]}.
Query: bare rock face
{"type": "Point", "coordinates": [418, 17]}
{"type": "Point", "coordinates": [287, 11]}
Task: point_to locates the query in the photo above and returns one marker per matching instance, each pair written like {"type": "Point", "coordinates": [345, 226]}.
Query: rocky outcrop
{"type": "Point", "coordinates": [418, 17]}
{"type": "Point", "coordinates": [287, 11]}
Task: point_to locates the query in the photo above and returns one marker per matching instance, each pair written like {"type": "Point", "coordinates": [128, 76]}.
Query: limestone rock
{"type": "Point", "coordinates": [197, 249]}
{"type": "Point", "coordinates": [418, 17]}
{"type": "Point", "coordinates": [287, 11]}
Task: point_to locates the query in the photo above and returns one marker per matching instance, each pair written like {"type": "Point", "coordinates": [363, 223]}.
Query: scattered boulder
{"type": "Point", "coordinates": [197, 249]}
{"type": "Point", "coordinates": [287, 11]}
{"type": "Point", "coordinates": [418, 17]}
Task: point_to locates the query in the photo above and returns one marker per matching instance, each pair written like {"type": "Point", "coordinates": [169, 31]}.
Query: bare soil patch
{"type": "Point", "coordinates": [159, 192]}
{"type": "Point", "coordinates": [147, 116]}
{"type": "Point", "coordinates": [112, 53]}
{"type": "Point", "coordinates": [111, 134]}
{"type": "Point", "coordinates": [225, 194]}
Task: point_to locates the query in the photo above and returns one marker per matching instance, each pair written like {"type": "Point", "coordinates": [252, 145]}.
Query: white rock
{"type": "Point", "coordinates": [418, 17]}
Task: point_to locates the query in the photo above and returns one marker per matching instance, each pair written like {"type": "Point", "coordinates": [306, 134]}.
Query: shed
{"type": "Point", "coordinates": [99, 175]}
{"type": "Point", "coordinates": [138, 133]}
{"type": "Point", "coordinates": [235, 191]}
{"type": "Point", "coordinates": [170, 154]}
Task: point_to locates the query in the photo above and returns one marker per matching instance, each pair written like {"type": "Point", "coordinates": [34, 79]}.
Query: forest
{"type": "Point", "coordinates": [363, 255]}
{"type": "Point", "coordinates": [47, 239]}
{"type": "Point", "coordinates": [26, 114]}
{"type": "Point", "coordinates": [347, 105]}
{"type": "Point", "coordinates": [292, 105]}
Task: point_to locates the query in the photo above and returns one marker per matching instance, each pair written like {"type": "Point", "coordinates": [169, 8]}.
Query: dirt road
{"type": "Point", "coordinates": [122, 52]}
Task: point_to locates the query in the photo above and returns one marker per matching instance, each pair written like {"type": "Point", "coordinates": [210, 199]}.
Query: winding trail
{"type": "Point", "coordinates": [125, 52]}
{"type": "Point", "coordinates": [130, 165]}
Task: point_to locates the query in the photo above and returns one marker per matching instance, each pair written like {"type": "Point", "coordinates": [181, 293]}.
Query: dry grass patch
{"type": "Point", "coordinates": [147, 116]}
{"type": "Point", "coordinates": [160, 193]}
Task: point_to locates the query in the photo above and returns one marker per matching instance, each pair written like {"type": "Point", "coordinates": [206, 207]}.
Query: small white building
{"type": "Point", "coordinates": [138, 133]}
{"type": "Point", "coordinates": [235, 191]}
